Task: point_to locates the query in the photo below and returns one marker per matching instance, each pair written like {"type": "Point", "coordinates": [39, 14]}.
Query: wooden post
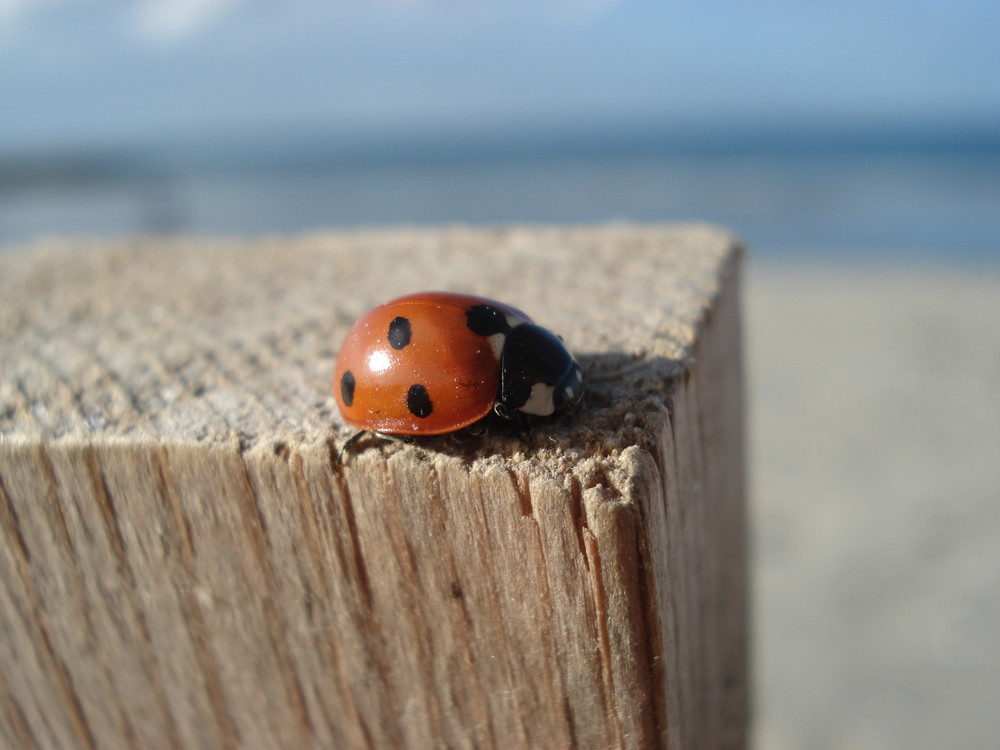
{"type": "Point", "coordinates": [184, 564]}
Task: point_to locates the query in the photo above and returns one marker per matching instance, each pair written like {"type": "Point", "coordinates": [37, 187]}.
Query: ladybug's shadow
{"type": "Point", "coordinates": [620, 391]}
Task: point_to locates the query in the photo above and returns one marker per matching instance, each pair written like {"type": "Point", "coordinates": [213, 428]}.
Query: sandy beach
{"type": "Point", "coordinates": [875, 438]}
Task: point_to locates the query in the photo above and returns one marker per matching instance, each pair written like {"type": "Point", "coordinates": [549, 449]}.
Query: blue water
{"type": "Point", "coordinates": [884, 199]}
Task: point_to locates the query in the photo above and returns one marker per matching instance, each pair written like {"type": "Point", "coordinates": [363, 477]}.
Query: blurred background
{"type": "Point", "coordinates": [859, 128]}
{"type": "Point", "coordinates": [855, 146]}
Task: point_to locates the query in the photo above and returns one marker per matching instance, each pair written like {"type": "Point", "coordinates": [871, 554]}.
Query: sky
{"type": "Point", "coordinates": [89, 73]}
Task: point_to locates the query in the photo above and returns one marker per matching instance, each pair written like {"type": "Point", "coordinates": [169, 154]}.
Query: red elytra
{"type": "Point", "coordinates": [415, 366]}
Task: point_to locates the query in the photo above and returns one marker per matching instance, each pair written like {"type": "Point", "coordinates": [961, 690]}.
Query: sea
{"type": "Point", "coordinates": [903, 194]}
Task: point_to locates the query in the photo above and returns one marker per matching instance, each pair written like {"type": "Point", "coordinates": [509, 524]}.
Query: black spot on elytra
{"type": "Point", "coordinates": [418, 402]}
{"type": "Point", "coordinates": [486, 320]}
{"type": "Point", "coordinates": [399, 332]}
{"type": "Point", "coordinates": [347, 388]}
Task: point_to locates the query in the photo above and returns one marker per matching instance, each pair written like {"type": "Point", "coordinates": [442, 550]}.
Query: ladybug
{"type": "Point", "coordinates": [435, 362]}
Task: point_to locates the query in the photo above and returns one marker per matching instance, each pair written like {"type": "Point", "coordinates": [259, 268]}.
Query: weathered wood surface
{"type": "Point", "coordinates": [184, 564]}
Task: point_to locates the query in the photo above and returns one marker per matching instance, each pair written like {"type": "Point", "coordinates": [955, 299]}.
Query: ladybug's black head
{"type": "Point", "coordinates": [538, 376]}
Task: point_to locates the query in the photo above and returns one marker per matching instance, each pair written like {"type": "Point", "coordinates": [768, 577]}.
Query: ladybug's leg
{"type": "Point", "coordinates": [348, 444]}
{"type": "Point", "coordinates": [478, 429]}
{"type": "Point", "coordinates": [525, 426]}
{"type": "Point", "coordinates": [408, 439]}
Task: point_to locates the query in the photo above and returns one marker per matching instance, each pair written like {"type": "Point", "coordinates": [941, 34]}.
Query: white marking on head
{"type": "Point", "coordinates": [540, 403]}
{"type": "Point", "coordinates": [497, 341]}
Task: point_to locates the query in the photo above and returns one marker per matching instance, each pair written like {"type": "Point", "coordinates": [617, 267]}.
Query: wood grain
{"type": "Point", "coordinates": [183, 562]}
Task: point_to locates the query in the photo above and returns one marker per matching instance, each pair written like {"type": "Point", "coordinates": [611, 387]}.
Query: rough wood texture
{"type": "Point", "coordinates": [183, 563]}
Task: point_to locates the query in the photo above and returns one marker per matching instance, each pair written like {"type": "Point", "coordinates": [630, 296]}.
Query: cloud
{"type": "Point", "coordinates": [165, 22]}
{"type": "Point", "coordinates": [11, 11]}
